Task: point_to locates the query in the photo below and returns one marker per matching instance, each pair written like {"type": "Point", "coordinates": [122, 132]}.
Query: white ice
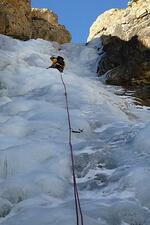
{"type": "Point", "coordinates": [112, 154]}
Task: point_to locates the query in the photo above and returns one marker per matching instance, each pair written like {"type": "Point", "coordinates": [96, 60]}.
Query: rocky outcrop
{"type": "Point", "coordinates": [125, 62]}
{"type": "Point", "coordinates": [125, 35]}
{"type": "Point", "coordinates": [124, 23]}
{"type": "Point", "coordinates": [19, 21]}
{"type": "Point", "coordinates": [46, 15]}
{"type": "Point", "coordinates": [15, 18]}
{"type": "Point", "coordinates": [45, 25]}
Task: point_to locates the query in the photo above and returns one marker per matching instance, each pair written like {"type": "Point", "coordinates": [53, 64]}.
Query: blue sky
{"type": "Point", "coordinates": [78, 15]}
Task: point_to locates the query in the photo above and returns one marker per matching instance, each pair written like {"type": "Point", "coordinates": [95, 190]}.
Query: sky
{"type": "Point", "coordinates": [79, 15]}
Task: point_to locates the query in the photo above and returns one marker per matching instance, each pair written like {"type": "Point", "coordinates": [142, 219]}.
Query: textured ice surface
{"type": "Point", "coordinates": [112, 154]}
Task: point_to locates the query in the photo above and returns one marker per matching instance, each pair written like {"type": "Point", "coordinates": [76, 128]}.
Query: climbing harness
{"type": "Point", "coordinates": [79, 215]}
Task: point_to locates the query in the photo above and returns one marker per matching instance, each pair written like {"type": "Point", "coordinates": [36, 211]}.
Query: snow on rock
{"type": "Point", "coordinates": [112, 153]}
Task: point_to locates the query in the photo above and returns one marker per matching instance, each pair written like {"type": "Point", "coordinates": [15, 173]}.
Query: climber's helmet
{"type": "Point", "coordinates": [52, 58]}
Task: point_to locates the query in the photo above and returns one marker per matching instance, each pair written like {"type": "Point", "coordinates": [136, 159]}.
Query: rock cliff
{"type": "Point", "coordinates": [124, 23]}
{"type": "Point", "coordinates": [15, 18]}
{"type": "Point", "coordinates": [125, 35]}
{"type": "Point", "coordinates": [18, 20]}
{"type": "Point", "coordinates": [45, 25]}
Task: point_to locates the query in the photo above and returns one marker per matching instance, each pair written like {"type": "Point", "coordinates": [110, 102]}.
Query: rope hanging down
{"type": "Point", "coordinates": [78, 209]}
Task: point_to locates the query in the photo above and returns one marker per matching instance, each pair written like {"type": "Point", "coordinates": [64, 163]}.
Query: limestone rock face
{"type": "Point", "coordinates": [125, 36]}
{"type": "Point", "coordinates": [19, 21]}
{"type": "Point", "coordinates": [124, 23]}
{"type": "Point", "coordinates": [15, 18]}
{"type": "Point", "coordinates": [45, 14]}
{"type": "Point", "coordinates": [125, 62]}
{"type": "Point", "coordinates": [45, 25]}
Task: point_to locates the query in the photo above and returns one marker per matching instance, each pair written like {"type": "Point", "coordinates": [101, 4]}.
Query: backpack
{"type": "Point", "coordinates": [60, 60]}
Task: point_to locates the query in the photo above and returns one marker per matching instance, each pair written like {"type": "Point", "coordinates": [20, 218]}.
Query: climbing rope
{"type": "Point", "coordinates": [79, 215]}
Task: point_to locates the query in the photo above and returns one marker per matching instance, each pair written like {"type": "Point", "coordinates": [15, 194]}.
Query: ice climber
{"type": "Point", "coordinates": [57, 63]}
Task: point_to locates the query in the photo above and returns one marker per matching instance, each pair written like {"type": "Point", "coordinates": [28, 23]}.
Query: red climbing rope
{"type": "Point", "coordinates": [76, 193]}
